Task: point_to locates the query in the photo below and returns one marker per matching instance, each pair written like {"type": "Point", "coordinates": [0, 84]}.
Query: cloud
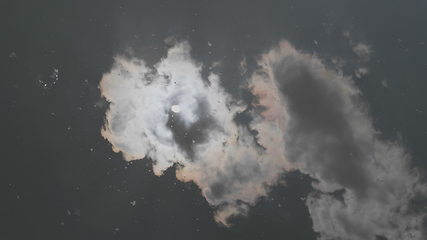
{"type": "Point", "coordinates": [363, 52]}
{"type": "Point", "coordinates": [229, 164]}
{"type": "Point", "coordinates": [304, 117]}
{"type": "Point", "coordinates": [365, 185]}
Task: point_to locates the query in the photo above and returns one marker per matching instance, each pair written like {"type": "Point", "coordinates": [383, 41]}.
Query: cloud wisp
{"type": "Point", "coordinates": [304, 117]}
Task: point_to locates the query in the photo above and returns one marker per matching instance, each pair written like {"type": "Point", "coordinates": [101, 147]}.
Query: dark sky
{"type": "Point", "coordinates": [61, 180]}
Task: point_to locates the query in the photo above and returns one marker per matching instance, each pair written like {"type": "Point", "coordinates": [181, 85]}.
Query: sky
{"type": "Point", "coordinates": [214, 119]}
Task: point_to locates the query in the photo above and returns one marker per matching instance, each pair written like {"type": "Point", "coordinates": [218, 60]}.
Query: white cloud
{"type": "Point", "coordinates": [305, 116]}
{"type": "Point", "coordinates": [222, 158]}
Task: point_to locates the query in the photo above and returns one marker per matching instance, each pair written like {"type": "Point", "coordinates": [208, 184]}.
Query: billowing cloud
{"type": "Point", "coordinates": [229, 164]}
{"type": "Point", "coordinates": [365, 185]}
{"type": "Point", "coordinates": [304, 117]}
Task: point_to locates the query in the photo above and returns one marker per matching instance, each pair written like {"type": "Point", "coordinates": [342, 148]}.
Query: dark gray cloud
{"type": "Point", "coordinates": [365, 183]}
{"type": "Point", "coordinates": [320, 119]}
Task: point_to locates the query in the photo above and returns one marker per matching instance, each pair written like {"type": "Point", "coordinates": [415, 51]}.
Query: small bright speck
{"type": "Point", "coordinates": [176, 108]}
